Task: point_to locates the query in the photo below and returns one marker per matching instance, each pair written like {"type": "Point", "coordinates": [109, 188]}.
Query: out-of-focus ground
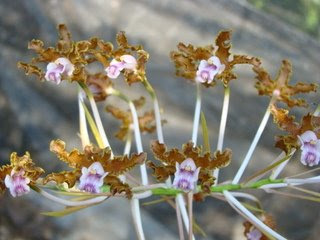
{"type": "Point", "coordinates": [33, 113]}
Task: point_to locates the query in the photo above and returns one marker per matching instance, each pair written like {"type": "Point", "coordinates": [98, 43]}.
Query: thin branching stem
{"type": "Point", "coordinates": [190, 201]}
{"type": "Point", "coordinates": [196, 117]}
{"type": "Point", "coordinates": [223, 122]}
{"type": "Point", "coordinates": [84, 135]}
{"type": "Point", "coordinates": [179, 220]}
{"type": "Point", "coordinates": [254, 143]}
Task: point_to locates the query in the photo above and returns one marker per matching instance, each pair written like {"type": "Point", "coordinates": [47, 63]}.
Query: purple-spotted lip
{"type": "Point", "coordinates": [185, 171]}
{"type": "Point", "coordinates": [89, 187]}
{"type": "Point", "coordinates": [184, 184]}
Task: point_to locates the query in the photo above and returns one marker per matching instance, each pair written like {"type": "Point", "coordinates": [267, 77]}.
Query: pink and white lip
{"type": "Point", "coordinates": [17, 183]}
{"type": "Point", "coordinates": [61, 67]}
{"type": "Point", "coordinates": [310, 147]}
{"type": "Point", "coordinates": [126, 62]}
{"type": "Point", "coordinates": [186, 175]}
{"type": "Point", "coordinates": [208, 69]}
{"type": "Point", "coordinates": [91, 179]}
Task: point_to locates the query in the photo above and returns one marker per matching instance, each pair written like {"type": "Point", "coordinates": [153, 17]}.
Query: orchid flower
{"type": "Point", "coordinates": [310, 146]}
{"type": "Point", "coordinates": [92, 178]}
{"type": "Point", "coordinates": [208, 69]}
{"type": "Point", "coordinates": [186, 175]}
{"type": "Point", "coordinates": [17, 183]}
{"type": "Point", "coordinates": [254, 234]}
{"type": "Point", "coordinates": [62, 67]}
{"type": "Point", "coordinates": [115, 67]}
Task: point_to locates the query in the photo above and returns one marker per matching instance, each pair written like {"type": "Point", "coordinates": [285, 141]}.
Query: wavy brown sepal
{"type": "Point", "coordinates": [117, 186]}
{"type": "Point", "coordinates": [99, 83]}
{"type": "Point", "coordinates": [287, 123]}
{"type": "Point", "coordinates": [207, 162]}
{"type": "Point", "coordinates": [266, 85]}
{"type": "Point", "coordinates": [69, 177]}
{"type": "Point", "coordinates": [4, 171]}
{"type": "Point", "coordinates": [146, 121]}
{"type": "Point", "coordinates": [26, 164]}
{"type": "Point", "coordinates": [76, 159]}
{"type": "Point", "coordinates": [188, 57]}
{"type": "Point", "coordinates": [121, 164]}
{"type": "Point", "coordinates": [266, 219]}
{"type": "Point", "coordinates": [161, 172]}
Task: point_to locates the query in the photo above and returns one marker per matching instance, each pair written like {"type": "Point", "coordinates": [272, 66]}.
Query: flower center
{"type": "Point", "coordinates": [205, 75]}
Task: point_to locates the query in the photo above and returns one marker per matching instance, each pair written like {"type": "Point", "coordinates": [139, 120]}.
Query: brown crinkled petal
{"type": "Point", "coordinates": [190, 151]}
{"type": "Point", "coordinates": [217, 160]}
{"type": "Point", "coordinates": [224, 45]}
{"type": "Point", "coordinates": [31, 69]}
{"type": "Point", "coordinates": [161, 172]}
{"type": "Point", "coordinates": [4, 171]}
{"type": "Point", "coordinates": [69, 177]}
{"type": "Point", "coordinates": [266, 85]}
{"type": "Point", "coordinates": [74, 159]}
{"type": "Point", "coordinates": [120, 164]}
{"type": "Point", "coordinates": [118, 187]}
{"type": "Point", "coordinates": [206, 180]}
{"type": "Point", "coordinates": [140, 102]}
{"type": "Point", "coordinates": [64, 43]}
{"type": "Point", "coordinates": [26, 164]}
{"type": "Point", "coordinates": [286, 123]}
{"type": "Point", "coordinates": [143, 57]}
{"type": "Point", "coordinates": [169, 157]}
{"type": "Point", "coordinates": [132, 77]}
{"type": "Point", "coordinates": [124, 117]}
{"type": "Point", "coordinates": [122, 40]}
{"type": "Point", "coordinates": [100, 82]}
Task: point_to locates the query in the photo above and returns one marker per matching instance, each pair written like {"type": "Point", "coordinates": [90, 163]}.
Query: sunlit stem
{"type": "Point", "coordinates": [137, 133]}
{"type": "Point", "coordinates": [223, 122]}
{"type": "Point", "coordinates": [84, 135]}
{"type": "Point", "coordinates": [126, 151]}
{"type": "Point", "coordinates": [135, 209]}
{"type": "Point", "coordinates": [179, 219]}
{"type": "Point", "coordinates": [251, 217]}
{"type": "Point", "coordinates": [157, 114]}
{"type": "Point", "coordinates": [196, 117]}
{"type": "Point", "coordinates": [67, 202]}
{"type": "Point", "coordinates": [190, 200]}
{"type": "Point", "coordinates": [183, 210]}
{"type": "Point", "coordinates": [254, 143]}
{"type": "Point", "coordinates": [97, 117]}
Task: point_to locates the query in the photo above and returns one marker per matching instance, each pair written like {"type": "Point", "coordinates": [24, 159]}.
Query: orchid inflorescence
{"type": "Point", "coordinates": [98, 174]}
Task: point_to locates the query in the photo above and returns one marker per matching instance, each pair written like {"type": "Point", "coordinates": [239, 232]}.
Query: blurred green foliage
{"type": "Point", "coordinates": [304, 14]}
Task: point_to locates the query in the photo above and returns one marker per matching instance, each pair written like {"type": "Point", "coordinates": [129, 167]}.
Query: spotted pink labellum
{"type": "Point", "coordinates": [310, 147]}
{"type": "Point", "coordinates": [17, 183]}
{"type": "Point", "coordinates": [208, 69]}
{"type": "Point", "coordinates": [186, 175]}
{"type": "Point", "coordinates": [92, 178]}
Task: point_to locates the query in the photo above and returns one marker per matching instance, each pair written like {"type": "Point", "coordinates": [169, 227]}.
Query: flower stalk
{"type": "Point", "coordinates": [222, 127]}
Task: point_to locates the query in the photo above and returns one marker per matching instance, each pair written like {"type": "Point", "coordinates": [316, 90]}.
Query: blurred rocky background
{"type": "Point", "coordinates": [33, 113]}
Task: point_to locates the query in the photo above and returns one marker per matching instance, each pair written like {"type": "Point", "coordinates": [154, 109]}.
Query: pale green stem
{"type": "Point", "coordinates": [67, 202]}
{"type": "Point", "coordinates": [180, 224]}
{"type": "Point", "coordinates": [97, 117]}
{"type": "Point", "coordinates": [253, 145]}
{"type": "Point", "coordinates": [137, 133]}
{"type": "Point", "coordinates": [190, 200]}
{"type": "Point", "coordinates": [223, 122]}
{"type": "Point", "coordinates": [183, 210]}
{"type": "Point", "coordinates": [84, 135]}
{"type": "Point", "coordinates": [251, 217]}
{"type": "Point", "coordinates": [276, 172]}
{"type": "Point", "coordinates": [135, 209]}
{"type": "Point", "coordinates": [196, 117]}
{"type": "Point", "coordinates": [126, 151]}
{"type": "Point", "coordinates": [157, 114]}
